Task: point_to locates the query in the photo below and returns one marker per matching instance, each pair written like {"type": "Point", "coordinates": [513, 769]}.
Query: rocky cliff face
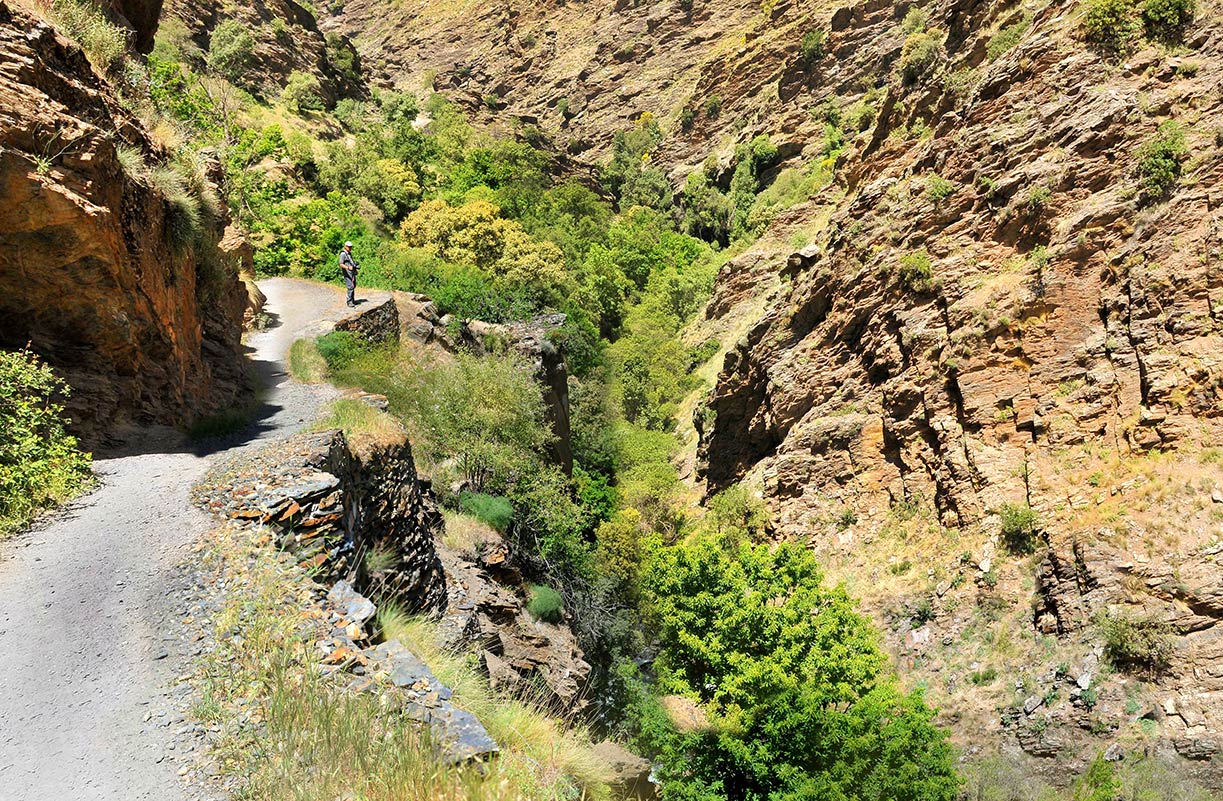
{"type": "Point", "coordinates": [286, 38]}
{"type": "Point", "coordinates": [142, 331]}
{"type": "Point", "coordinates": [994, 316]}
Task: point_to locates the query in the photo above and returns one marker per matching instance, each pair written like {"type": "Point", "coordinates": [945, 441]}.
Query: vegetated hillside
{"type": "Point", "coordinates": [979, 373]}
{"type": "Point", "coordinates": [118, 274]}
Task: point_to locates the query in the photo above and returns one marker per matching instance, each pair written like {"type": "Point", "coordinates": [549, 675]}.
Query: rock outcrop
{"type": "Point", "coordinates": [287, 40]}
{"type": "Point", "coordinates": [143, 331]}
{"type": "Point", "coordinates": [359, 516]}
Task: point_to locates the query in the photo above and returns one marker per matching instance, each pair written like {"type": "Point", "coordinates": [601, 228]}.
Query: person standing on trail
{"type": "Point", "coordinates": [349, 267]}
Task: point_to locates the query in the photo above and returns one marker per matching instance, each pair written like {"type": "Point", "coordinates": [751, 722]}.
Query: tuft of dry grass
{"type": "Point", "coordinates": [360, 422]}
{"type": "Point", "coordinates": [528, 731]}
{"type": "Point", "coordinates": [306, 364]}
{"type": "Point", "coordinates": [290, 733]}
{"type": "Point", "coordinates": [465, 534]}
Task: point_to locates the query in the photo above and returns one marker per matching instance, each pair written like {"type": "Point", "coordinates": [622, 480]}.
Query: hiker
{"type": "Point", "coordinates": [349, 266]}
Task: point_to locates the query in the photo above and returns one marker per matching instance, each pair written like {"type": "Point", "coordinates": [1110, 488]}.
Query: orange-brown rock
{"type": "Point", "coordinates": [92, 282]}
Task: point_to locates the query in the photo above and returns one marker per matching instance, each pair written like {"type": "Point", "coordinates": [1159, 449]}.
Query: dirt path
{"type": "Point", "coordinates": [89, 644]}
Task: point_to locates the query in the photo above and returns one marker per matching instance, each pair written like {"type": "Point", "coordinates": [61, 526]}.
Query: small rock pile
{"type": "Point", "coordinates": [398, 675]}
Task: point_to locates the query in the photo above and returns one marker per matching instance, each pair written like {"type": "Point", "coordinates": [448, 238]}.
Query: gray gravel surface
{"type": "Point", "coordinates": [90, 644]}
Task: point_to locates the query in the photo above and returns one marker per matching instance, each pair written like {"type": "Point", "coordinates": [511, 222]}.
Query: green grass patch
{"type": "Point", "coordinates": [488, 509]}
{"type": "Point", "coordinates": [545, 604]}
{"type": "Point", "coordinates": [306, 364]}
{"type": "Point", "coordinates": [360, 421]}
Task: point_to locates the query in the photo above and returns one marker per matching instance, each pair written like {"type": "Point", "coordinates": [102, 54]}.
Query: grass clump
{"type": "Point", "coordinates": [545, 604]}
{"type": "Point", "coordinates": [260, 684]}
{"type": "Point", "coordinates": [527, 733]}
{"type": "Point", "coordinates": [360, 422]}
{"type": "Point", "coordinates": [104, 43]}
{"type": "Point", "coordinates": [1020, 527]}
{"type": "Point", "coordinates": [339, 349]}
{"type": "Point", "coordinates": [306, 364]}
{"type": "Point", "coordinates": [1132, 642]}
{"type": "Point", "coordinates": [40, 464]}
{"type": "Point", "coordinates": [1007, 38]}
{"type": "Point", "coordinates": [184, 210]}
{"type": "Point", "coordinates": [1159, 161]}
{"type": "Point", "coordinates": [488, 509]}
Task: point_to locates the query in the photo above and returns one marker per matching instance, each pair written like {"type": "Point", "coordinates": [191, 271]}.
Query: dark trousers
{"type": "Point", "coordinates": [350, 281]}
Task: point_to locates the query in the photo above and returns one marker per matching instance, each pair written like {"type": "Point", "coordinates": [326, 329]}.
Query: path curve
{"type": "Point", "coordinates": [89, 644]}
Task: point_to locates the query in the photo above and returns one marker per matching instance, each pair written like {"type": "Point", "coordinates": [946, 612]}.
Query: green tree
{"type": "Point", "coordinates": [230, 50]}
{"type": "Point", "coordinates": [800, 703]}
{"type": "Point", "coordinates": [302, 92]}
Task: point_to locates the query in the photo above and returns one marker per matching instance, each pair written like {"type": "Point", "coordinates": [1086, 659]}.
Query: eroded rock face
{"type": "Point", "coordinates": [993, 314]}
{"type": "Point", "coordinates": [92, 282]}
{"type": "Point", "coordinates": [296, 45]}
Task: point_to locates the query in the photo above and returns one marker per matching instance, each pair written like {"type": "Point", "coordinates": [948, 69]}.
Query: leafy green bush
{"type": "Point", "coordinates": [40, 464]}
{"type": "Point", "coordinates": [545, 604]}
{"type": "Point", "coordinates": [230, 50]}
{"type": "Point", "coordinates": [713, 107]}
{"type": "Point", "coordinates": [495, 511]}
{"type": "Point", "coordinates": [799, 698]}
{"type": "Point", "coordinates": [920, 52]}
{"type": "Point", "coordinates": [1159, 161]}
{"type": "Point", "coordinates": [1165, 19]}
{"type": "Point", "coordinates": [939, 188]}
{"type": "Point", "coordinates": [486, 413]}
{"type": "Point", "coordinates": [1111, 24]}
{"type": "Point", "coordinates": [916, 271]}
{"type": "Point", "coordinates": [302, 92]}
{"type": "Point", "coordinates": [1020, 527]}
{"type": "Point", "coordinates": [1136, 642]}
{"type": "Point", "coordinates": [340, 348]}
{"type": "Point", "coordinates": [811, 49]}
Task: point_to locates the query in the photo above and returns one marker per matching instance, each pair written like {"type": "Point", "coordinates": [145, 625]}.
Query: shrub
{"type": "Point", "coordinates": [340, 348]}
{"type": "Point", "coordinates": [1136, 642]}
{"type": "Point", "coordinates": [939, 188]}
{"type": "Point", "coordinates": [1111, 24]}
{"type": "Point", "coordinates": [811, 49]}
{"type": "Point", "coordinates": [916, 271]}
{"type": "Point", "coordinates": [1164, 19]}
{"type": "Point", "coordinates": [545, 604]}
{"type": "Point", "coordinates": [713, 106]}
{"type": "Point", "coordinates": [799, 698]}
{"type": "Point", "coordinates": [302, 92]}
{"type": "Point", "coordinates": [230, 50]}
{"type": "Point", "coordinates": [495, 511]}
{"type": "Point", "coordinates": [1159, 161]}
{"type": "Point", "coordinates": [39, 461]}
{"type": "Point", "coordinates": [919, 54]}
{"type": "Point", "coordinates": [1020, 527]}
{"type": "Point", "coordinates": [1007, 38]}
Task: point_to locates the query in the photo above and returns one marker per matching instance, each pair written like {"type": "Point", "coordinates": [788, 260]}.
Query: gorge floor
{"type": "Point", "coordinates": [89, 640]}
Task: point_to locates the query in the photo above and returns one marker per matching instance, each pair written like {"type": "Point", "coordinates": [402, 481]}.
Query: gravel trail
{"type": "Point", "coordinates": [89, 644]}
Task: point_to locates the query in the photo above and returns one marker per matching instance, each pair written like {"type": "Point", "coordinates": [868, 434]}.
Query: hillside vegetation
{"type": "Point", "coordinates": [908, 303]}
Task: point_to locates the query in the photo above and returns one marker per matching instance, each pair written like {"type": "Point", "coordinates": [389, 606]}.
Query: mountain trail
{"type": "Point", "coordinates": [89, 642]}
